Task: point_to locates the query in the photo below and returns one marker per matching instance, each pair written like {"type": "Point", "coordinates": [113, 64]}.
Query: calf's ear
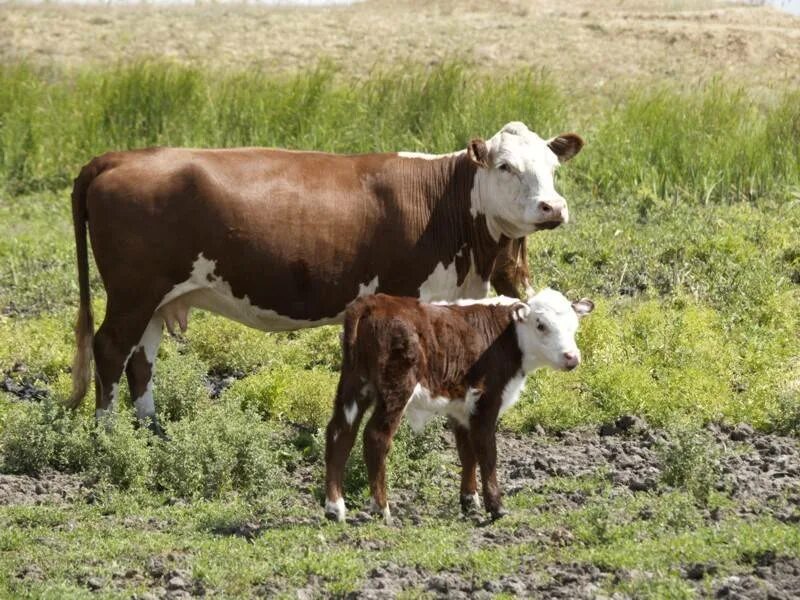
{"type": "Point", "coordinates": [478, 152]}
{"type": "Point", "coordinates": [583, 307]}
{"type": "Point", "coordinates": [520, 311]}
{"type": "Point", "coordinates": [565, 146]}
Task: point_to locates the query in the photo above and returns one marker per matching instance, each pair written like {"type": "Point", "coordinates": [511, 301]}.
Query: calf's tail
{"type": "Point", "coordinates": [84, 329]}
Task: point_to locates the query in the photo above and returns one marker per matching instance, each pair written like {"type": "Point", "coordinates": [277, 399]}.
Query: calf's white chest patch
{"type": "Point", "coordinates": [512, 392]}
{"type": "Point", "coordinates": [422, 406]}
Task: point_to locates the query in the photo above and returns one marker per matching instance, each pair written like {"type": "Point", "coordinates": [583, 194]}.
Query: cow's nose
{"type": "Point", "coordinates": [553, 211]}
{"type": "Point", "coordinates": [571, 360]}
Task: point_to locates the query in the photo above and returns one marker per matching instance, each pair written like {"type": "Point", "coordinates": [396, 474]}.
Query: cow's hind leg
{"type": "Point", "coordinates": [140, 371]}
{"type": "Point", "coordinates": [352, 400]}
{"type": "Point", "coordinates": [114, 343]}
{"type": "Point", "coordinates": [469, 463]}
{"type": "Point", "coordinates": [378, 434]}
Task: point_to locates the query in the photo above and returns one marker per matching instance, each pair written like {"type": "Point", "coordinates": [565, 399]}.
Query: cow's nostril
{"type": "Point", "coordinates": [545, 207]}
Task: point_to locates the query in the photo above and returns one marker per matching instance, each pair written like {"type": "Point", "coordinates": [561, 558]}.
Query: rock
{"type": "Point", "coordinates": [95, 583]}
{"type": "Point", "coordinates": [697, 571]}
{"type": "Point", "coordinates": [741, 432]}
{"type": "Point", "coordinates": [629, 422]}
{"type": "Point", "coordinates": [155, 566]}
{"type": "Point", "coordinates": [608, 429]}
{"type": "Point", "coordinates": [177, 582]}
{"type": "Point", "coordinates": [642, 485]}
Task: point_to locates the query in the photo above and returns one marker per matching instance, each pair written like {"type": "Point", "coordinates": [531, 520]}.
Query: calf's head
{"type": "Point", "coordinates": [546, 330]}
{"type": "Point", "coordinates": [514, 182]}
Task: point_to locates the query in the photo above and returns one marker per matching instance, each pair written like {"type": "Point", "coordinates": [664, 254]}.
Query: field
{"type": "Point", "coordinates": [666, 466]}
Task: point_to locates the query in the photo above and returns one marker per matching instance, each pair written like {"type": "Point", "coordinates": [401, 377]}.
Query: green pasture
{"type": "Point", "coordinates": [685, 231]}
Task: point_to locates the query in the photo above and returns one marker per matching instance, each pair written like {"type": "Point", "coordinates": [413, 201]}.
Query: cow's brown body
{"type": "Point", "coordinates": [277, 240]}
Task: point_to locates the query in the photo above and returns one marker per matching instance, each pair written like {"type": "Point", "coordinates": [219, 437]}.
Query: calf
{"type": "Point", "coordinates": [466, 360]}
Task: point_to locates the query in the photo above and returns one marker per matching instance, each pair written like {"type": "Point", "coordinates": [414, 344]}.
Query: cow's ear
{"type": "Point", "coordinates": [583, 307]}
{"type": "Point", "coordinates": [478, 152]}
{"type": "Point", "coordinates": [565, 146]}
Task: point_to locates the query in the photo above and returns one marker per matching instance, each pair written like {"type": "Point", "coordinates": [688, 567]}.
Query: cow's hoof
{"type": "Point", "coordinates": [376, 509]}
{"type": "Point", "coordinates": [335, 511]}
{"type": "Point", "coordinates": [470, 503]}
{"type": "Point", "coordinates": [155, 428]}
{"type": "Point", "coordinates": [497, 513]}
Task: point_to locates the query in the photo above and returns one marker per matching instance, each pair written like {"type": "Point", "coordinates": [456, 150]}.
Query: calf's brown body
{"type": "Point", "coordinates": [394, 346]}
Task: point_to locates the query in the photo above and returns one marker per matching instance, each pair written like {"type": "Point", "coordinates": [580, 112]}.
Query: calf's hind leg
{"type": "Point", "coordinates": [378, 434]}
{"type": "Point", "coordinates": [348, 411]}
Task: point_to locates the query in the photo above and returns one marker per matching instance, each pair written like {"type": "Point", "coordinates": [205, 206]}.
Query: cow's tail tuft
{"type": "Point", "coordinates": [84, 328]}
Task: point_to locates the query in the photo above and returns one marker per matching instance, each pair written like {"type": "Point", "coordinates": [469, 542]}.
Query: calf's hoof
{"type": "Point", "coordinates": [334, 510]}
{"type": "Point", "coordinates": [470, 503]}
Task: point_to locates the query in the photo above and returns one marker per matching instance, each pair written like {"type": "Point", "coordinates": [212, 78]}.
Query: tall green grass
{"type": "Point", "coordinates": [712, 144]}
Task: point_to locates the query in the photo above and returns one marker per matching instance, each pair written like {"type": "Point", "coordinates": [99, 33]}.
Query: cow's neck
{"type": "Point", "coordinates": [461, 233]}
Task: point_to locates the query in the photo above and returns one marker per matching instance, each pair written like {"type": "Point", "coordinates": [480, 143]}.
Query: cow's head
{"type": "Point", "coordinates": [546, 328]}
{"type": "Point", "coordinates": [514, 185]}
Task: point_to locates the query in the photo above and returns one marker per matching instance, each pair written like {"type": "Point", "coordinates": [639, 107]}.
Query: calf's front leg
{"type": "Point", "coordinates": [469, 463]}
{"type": "Point", "coordinates": [485, 446]}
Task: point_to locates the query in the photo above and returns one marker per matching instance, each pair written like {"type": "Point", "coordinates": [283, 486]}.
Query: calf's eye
{"type": "Point", "coordinates": [541, 327]}
{"type": "Point", "coordinates": [504, 167]}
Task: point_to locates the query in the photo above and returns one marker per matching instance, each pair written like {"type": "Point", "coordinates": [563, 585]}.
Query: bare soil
{"type": "Point", "coordinates": [591, 45]}
{"type": "Point", "coordinates": [759, 473]}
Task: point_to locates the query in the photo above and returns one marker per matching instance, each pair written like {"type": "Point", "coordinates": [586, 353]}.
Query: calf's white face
{"type": "Point", "coordinates": [546, 333]}
{"type": "Point", "coordinates": [514, 185]}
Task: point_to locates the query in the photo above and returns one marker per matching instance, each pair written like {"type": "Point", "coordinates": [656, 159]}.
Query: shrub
{"type": "Point", "coordinates": [690, 460]}
{"type": "Point", "coordinates": [286, 393]}
{"type": "Point", "coordinates": [220, 449]}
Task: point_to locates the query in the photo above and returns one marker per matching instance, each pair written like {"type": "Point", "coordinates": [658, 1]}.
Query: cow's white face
{"type": "Point", "coordinates": [514, 185]}
{"type": "Point", "coordinates": [546, 332]}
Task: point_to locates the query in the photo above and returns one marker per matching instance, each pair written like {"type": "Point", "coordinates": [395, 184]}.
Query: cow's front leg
{"type": "Point", "coordinates": [485, 446]}
{"type": "Point", "coordinates": [469, 482]}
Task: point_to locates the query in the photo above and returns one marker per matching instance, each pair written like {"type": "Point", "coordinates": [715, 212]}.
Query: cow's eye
{"type": "Point", "coordinates": [504, 167]}
{"type": "Point", "coordinates": [541, 327]}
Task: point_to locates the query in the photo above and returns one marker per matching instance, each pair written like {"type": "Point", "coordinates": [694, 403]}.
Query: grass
{"type": "Point", "coordinates": [685, 206]}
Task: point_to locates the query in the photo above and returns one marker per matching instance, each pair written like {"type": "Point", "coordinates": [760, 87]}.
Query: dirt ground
{"type": "Point", "coordinates": [591, 45]}
{"type": "Point", "coordinates": [758, 473]}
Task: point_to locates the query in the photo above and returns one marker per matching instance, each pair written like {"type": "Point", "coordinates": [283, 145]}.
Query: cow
{"type": "Point", "coordinates": [466, 360]}
{"type": "Point", "coordinates": [282, 240]}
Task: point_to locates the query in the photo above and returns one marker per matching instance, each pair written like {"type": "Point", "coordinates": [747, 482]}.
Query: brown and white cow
{"type": "Point", "coordinates": [282, 240]}
{"type": "Point", "coordinates": [467, 361]}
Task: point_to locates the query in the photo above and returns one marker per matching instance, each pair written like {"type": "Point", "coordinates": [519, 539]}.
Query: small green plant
{"type": "Point", "coordinates": [690, 461]}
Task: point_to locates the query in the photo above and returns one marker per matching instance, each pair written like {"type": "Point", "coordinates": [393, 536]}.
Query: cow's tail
{"type": "Point", "coordinates": [84, 329]}
{"type": "Point", "coordinates": [355, 312]}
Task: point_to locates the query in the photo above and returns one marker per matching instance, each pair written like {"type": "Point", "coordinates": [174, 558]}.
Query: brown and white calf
{"type": "Point", "coordinates": [467, 361]}
{"type": "Point", "coordinates": [283, 240]}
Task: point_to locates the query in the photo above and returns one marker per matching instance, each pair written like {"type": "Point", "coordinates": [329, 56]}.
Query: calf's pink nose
{"type": "Point", "coordinates": [571, 360]}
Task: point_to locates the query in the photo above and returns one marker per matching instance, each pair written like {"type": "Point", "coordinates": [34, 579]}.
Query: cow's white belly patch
{"type": "Point", "coordinates": [422, 406]}
{"type": "Point", "coordinates": [442, 284]}
{"type": "Point", "coordinates": [204, 289]}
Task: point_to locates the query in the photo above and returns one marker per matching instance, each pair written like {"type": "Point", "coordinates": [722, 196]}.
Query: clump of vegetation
{"type": "Point", "coordinates": [690, 460]}
{"type": "Point", "coordinates": [285, 393]}
{"type": "Point", "coordinates": [218, 450]}
{"type": "Point", "coordinates": [39, 437]}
